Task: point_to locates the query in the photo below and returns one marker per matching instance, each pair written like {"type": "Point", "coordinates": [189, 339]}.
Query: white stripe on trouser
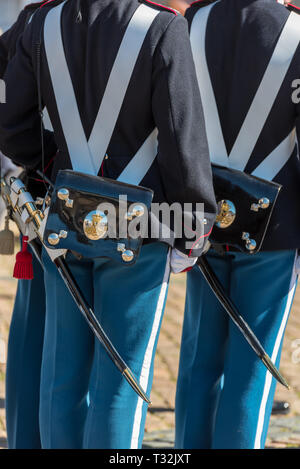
{"type": "Point", "coordinates": [144, 377]}
{"type": "Point", "coordinates": [268, 380]}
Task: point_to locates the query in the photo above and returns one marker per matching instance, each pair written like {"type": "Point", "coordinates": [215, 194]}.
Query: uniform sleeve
{"type": "Point", "coordinates": [8, 41]}
{"type": "Point", "coordinates": [11, 36]}
{"type": "Point", "coordinates": [20, 131]}
{"type": "Point", "coordinates": [183, 156]}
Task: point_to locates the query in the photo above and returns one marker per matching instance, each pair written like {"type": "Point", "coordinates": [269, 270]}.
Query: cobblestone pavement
{"type": "Point", "coordinates": [284, 431]}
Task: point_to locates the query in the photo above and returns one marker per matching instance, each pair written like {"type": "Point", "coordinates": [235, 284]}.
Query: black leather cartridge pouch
{"type": "Point", "coordinates": [97, 217]}
{"type": "Point", "coordinates": [245, 206]}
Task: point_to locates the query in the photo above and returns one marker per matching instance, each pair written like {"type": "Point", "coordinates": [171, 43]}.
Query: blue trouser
{"type": "Point", "coordinates": [129, 303]}
{"type": "Point", "coordinates": [24, 358]}
{"type": "Point", "coordinates": [224, 393]}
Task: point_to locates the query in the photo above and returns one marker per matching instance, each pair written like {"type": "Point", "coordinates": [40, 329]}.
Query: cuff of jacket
{"type": "Point", "coordinates": [200, 243]}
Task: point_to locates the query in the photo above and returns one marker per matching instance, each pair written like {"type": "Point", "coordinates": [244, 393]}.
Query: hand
{"type": "Point", "coordinates": [181, 262]}
{"type": "Point", "coordinates": [7, 166]}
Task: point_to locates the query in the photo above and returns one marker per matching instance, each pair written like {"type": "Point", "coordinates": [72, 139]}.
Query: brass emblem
{"type": "Point", "coordinates": [226, 215]}
{"type": "Point", "coordinates": [95, 225]}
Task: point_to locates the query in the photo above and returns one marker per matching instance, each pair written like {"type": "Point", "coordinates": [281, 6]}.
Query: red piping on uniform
{"type": "Point", "coordinates": [163, 6]}
{"type": "Point", "coordinates": [49, 1]}
{"type": "Point", "coordinates": [203, 236]}
{"type": "Point", "coordinates": [197, 1]}
{"type": "Point", "coordinates": [293, 6]}
{"type": "Point", "coordinates": [33, 4]}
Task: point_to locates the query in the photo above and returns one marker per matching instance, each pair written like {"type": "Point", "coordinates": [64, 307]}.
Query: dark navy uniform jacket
{"type": "Point", "coordinates": [241, 37]}
{"type": "Point", "coordinates": [163, 93]}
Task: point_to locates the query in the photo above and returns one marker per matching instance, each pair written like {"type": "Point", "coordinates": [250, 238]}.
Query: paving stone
{"type": "Point", "coordinates": [283, 433]}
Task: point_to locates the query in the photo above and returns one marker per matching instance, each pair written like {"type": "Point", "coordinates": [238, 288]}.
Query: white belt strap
{"type": "Point", "coordinates": [216, 144]}
{"type": "Point", "coordinates": [266, 93]}
{"type": "Point", "coordinates": [64, 94]}
{"type": "Point", "coordinates": [119, 80]}
{"type": "Point", "coordinates": [138, 167]}
{"type": "Point", "coordinates": [87, 156]}
{"type": "Point", "coordinates": [263, 100]}
{"type": "Point", "coordinates": [273, 163]}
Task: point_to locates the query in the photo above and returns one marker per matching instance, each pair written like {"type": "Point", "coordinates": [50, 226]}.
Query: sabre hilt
{"type": "Point", "coordinates": [23, 209]}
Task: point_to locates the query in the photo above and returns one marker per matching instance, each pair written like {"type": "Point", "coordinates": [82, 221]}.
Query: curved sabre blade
{"type": "Point", "coordinates": [133, 383]}
{"type": "Point", "coordinates": [231, 309]}
{"type": "Point", "coordinates": [94, 324]}
{"type": "Point", "coordinates": [273, 370]}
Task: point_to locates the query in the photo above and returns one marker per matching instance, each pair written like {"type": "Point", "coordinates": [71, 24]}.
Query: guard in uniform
{"type": "Point", "coordinates": [162, 92]}
{"type": "Point", "coordinates": [247, 56]}
{"type": "Point", "coordinates": [26, 334]}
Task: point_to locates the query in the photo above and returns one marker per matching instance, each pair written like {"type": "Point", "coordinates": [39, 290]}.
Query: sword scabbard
{"type": "Point", "coordinates": [238, 320]}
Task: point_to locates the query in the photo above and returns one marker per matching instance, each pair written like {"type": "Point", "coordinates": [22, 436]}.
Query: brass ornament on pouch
{"type": "Point", "coordinates": [55, 238]}
{"type": "Point", "coordinates": [63, 194]}
{"type": "Point", "coordinates": [95, 225]}
{"type": "Point", "coordinates": [263, 203]}
{"type": "Point", "coordinates": [137, 211]}
{"type": "Point", "coordinates": [250, 243]}
{"type": "Point", "coordinates": [226, 214]}
{"type": "Point", "coordinates": [127, 255]}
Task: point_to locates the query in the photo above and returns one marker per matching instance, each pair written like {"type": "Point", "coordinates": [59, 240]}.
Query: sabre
{"type": "Point", "coordinates": [234, 314]}
{"type": "Point", "coordinates": [36, 218]}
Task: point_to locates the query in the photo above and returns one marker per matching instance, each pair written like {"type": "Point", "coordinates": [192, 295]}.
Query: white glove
{"type": "Point", "coordinates": [181, 262]}
{"type": "Point", "coordinates": [7, 166]}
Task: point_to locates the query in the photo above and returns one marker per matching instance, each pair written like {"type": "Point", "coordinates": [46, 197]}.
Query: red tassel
{"type": "Point", "coordinates": [23, 266]}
